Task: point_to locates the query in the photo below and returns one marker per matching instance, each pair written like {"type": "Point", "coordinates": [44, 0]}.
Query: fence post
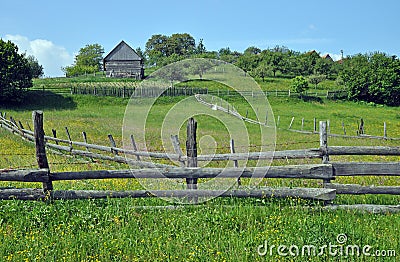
{"type": "Point", "coordinates": [69, 137]}
{"type": "Point", "coordinates": [291, 123]}
{"type": "Point", "coordinates": [20, 125]}
{"type": "Point", "coordinates": [85, 140]}
{"type": "Point", "coordinates": [177, 148]}
{"type": "Point", "coordinates": [315, 125]}
{"type": "Point", "coordinates": [191, 152]}
{"type": "Point", "coordinates": [113, 144]}
{"type": "Point", "coordinates": [54, 134]}
{"type": "Point", "coordinates": [344, 128]}
{"type": "Point", "coordinates": [134, 147]}
{"type": "Point", "coordinates": [41, 157]}
{"type": "Point", "coordinates": [384, 130]}
{"type": "Point", "coordinates": [323, 143]}
{"type": "Point", "coordinates": [235, 162]}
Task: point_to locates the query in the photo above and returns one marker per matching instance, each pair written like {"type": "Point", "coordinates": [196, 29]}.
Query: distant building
{"type": "Point", "coordinates": [123, 61]}
{"type": "Point", "coordinates": [327, 57]}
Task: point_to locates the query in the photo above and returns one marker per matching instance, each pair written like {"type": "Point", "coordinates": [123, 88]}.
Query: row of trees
{"type": "Point", "coordinates": [16, 72]}
{"type": "Point", "coordinates": [162, 50]}
{"type": "Point", "coordinates": [373, 77]}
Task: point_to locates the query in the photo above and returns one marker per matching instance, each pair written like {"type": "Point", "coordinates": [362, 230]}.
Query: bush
{"type": "Point", "coordinates": [300, 84]}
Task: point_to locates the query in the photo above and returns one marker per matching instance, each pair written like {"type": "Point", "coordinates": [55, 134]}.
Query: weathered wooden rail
{"type": "Point", "coordinates": [327, 171]}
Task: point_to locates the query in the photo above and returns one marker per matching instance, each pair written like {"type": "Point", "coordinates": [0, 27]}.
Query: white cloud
{"type": "Point", "coordinates": [49, 55]}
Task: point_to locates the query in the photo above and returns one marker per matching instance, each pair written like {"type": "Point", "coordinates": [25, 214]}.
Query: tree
{"type": "Point", "coordinates": [91, 56]}
{"type": "Point", "coordinates": [171, 73]}
{"type": "Point", "coordinates": [275, 60]}
{"type": "Point", "coordinates": [247, 62]}
{"type": "Point", "coordinates": [228, 56]}
{"type": "Point", "coordinates": [306, 63]}
{"type": "Point", "coordinates": [160, 47]}
{"type": "Point", "coordinates": [181, 44]}
{"type": "Point", "coordinates": [88, 60]}
{"type": "Point", "coordinates": [141, 54]}
{"type": "Point", "coordinates": [199, 66]}
{"type": "Point", "coordinates": [252, 50]}
{"type": "Point", "coordinates": [15, 73]}
{"type": "Point", "coordinates": [156, 48]}
{"type": "Point", "coordinates": [200, 49]}
{"type": "Point", "coordinates": [324, 67]}
{"type": "Point", "coordinates": [36, 68]}
{"type": "Point", "coordinates": [300, 84]}
{"type": "Point", "coordinates": [262, 70]}
{"type": "Point", "coordinates": [372, 78]}
{"type": "Point", "coordinates": [316, 79]}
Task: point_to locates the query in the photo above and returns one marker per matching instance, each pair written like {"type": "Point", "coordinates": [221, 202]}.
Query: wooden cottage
{"type": "Point", "coordinates": [123, 61]}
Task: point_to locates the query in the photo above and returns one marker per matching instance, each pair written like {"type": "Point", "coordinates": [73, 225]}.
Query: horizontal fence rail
{"type": "Point", "coordinates": [38, 194]}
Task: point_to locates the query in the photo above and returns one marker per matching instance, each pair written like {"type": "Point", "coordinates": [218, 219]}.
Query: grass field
{"type": "Point", "coordinates": [219, 230]}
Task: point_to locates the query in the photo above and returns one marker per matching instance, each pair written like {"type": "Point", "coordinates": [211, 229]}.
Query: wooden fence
{"type": "Point", "coordinates": [359, 132]}
{"type": "Point", "coordinates": [327, 171]}
{"type": "Point", "coordinates": [190, 91]}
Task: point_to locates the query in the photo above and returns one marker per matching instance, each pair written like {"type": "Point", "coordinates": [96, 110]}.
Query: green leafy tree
{"type": "Point", "coordinates": [171, 73]}
{"type": "Point", "coordinates": [36, 68]}
{"type": "Point", "coordinates": [88, 60]}
{"type": "Point", "coordinates": [300, 84]}
{"type": "Point", "coordinates": [15, 73]}
{"type": "Point", "coordinates": [225, 54]}
{"type": "Point", "coordinates": [372, 78]}
{"type": "Point", "coordinates": [156, 49]}
{"type": "Point", "coordinates": [262, 71]}
{"type": "Point", "coordinates": [199, 66]}
{"type": "Point", "coordinates": [248, 62]}
{"type": "Point", "coordinates": [324, 67]}
{"type": "Point", "coordinates": [181, 44]}
{"type": "Point", "coordinates": [162, 49]}
{"type": "Point", "coordinates": [305, 63]}
{"type": "Point", "coordinates": [140, 53]}
{"type": "Point", "coordinates": [90, 55]}
{"type": "Point", "coordinates": [200, 48]}
{"type": "Point", "coordinates": [275, 59]}
{"type": "Point", "coordinates": [316, 79]}
{"type": "Point", "coordinates": [252, 50]}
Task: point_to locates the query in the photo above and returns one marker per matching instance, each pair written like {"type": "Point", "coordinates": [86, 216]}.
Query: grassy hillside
{"type": "Point", "coordinates": [220, 230]}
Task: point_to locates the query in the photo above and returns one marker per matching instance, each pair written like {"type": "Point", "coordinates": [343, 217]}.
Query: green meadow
{"type": "Point", "coordinates": [218, 230]}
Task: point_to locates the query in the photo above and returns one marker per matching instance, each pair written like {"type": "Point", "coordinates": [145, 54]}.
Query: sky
{"type": "Point", "coordinates": [54, 31]}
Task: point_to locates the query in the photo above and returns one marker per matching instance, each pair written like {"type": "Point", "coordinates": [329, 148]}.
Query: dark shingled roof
{"type": "Point", "coordinates": [123, 52]}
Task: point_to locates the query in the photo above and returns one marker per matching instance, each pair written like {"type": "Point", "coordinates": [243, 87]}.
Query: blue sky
{"type": "Point", "coordinates": [54, 31]}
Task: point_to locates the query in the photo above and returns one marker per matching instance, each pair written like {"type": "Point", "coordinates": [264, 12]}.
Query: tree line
{"type": "Point", "coordinates": [372, 77]}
